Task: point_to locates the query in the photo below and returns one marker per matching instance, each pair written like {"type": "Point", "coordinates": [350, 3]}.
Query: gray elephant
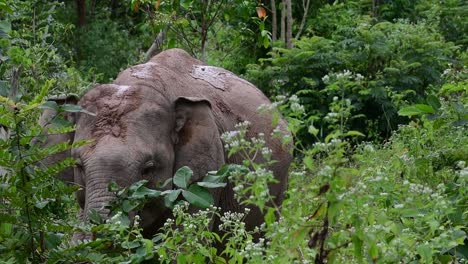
{"type": "Point", "coordinates": [159, 116]}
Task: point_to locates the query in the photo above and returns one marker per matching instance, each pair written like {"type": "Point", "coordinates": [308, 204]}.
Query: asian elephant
{"type": "Point", "coordinates": [159, 116]}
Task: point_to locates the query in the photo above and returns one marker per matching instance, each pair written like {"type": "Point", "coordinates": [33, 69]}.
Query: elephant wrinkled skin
{"type": "Point", "coordinates": [159, 116]}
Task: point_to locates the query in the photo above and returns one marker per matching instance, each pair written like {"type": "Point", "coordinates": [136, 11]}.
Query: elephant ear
{"type": "Point", "coordinates": [198, 143]}
{"type": "Point", "coordinates": [46, 122]}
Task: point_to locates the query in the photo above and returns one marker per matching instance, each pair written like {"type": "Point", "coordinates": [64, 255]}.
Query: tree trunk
{"type": "Point", "coordinates": [283, 22]}
{"type": "Point", "coordinates": [81, 12]}
{"type": "Point", "coordinates": [92, 9]}
{"type": "Point", "coordinates": [274, 26]}
{"type": "Point", "coordinates": [4, 135]}
{"type": "Point", "coordinates": [204, 29]}
{"type": "Point", "coordinates": [156, 47]}
{"type": "Point", "coordinates": [289, 22]}
{"type": "Point", "coordinates": [113, 6]}
{"type": "Point", "coordinates": [375, 8]}
{"type": "Point", "coordinates": [305, 5]}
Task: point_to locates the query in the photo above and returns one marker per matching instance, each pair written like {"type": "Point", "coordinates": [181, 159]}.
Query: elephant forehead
{"type": "Point", "coordinates": [112, 103]}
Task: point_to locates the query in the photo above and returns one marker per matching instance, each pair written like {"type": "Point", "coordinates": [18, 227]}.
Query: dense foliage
{"type": "Point", "coordinates": [385, 66]}
{"type": "Point", "coordinates": [374, 92]}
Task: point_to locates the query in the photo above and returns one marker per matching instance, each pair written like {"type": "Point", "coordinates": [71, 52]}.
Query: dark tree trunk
{"type": "Point", "coordinates": [157, 45]}
{"type": "Point", "coordinates": [92, 11]}
{"type": "Point", "coordinates": [274, 25]}
{"type": "Point", "coordinates": [375, 8]}
{"type": "Point", "coordinates": [289, 22]}
{"type": "Point", "coordinates": [305, 6]}
{"type": "Point", "coordinates": [283, 22]}
{"type": "Point", "coordinates": [81, 12]}
{"type": "Point", "coordinates": [113, 6]}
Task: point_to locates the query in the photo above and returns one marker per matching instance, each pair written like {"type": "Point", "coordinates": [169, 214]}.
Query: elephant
{"type": "Point", "coordinates": [161, 115]}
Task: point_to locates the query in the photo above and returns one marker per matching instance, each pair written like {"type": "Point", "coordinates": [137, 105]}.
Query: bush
{"type": "Point", "coordinates": [105, 48]}
{"type": "Point", "coordinates": [377, 68]}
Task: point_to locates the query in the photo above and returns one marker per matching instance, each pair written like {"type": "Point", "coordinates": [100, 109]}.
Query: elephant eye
{"type": "Point", "coordinates": [148, 167]}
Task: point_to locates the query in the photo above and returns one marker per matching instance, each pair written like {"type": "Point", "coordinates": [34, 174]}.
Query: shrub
{"type": "Point", "coordinates": [377, 68]}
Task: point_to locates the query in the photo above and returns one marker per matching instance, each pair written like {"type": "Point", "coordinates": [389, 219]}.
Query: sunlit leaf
{"type": "Point", "coordinates": [182, 177]}
{"type": "Point", "coordinates": [198, 196]}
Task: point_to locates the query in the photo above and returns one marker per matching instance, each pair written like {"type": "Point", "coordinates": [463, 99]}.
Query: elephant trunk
{"type": "Point", "coordinates": [96, 198]}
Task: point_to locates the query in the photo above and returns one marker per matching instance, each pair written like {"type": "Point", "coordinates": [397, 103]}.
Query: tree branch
{"type": "Point", "coordinates": [156, 47]}
{"type": "Point", "coordinates": [305, 5]}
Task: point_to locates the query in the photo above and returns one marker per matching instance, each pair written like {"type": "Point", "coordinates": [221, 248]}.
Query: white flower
{"type": "Point", "coordinates": [345, 74]}
{"type": "Point", "coordinates": [296, 107]}
{"type": "Point", "coordinates": [461, 164]}
{"type": "Point", "coordinates": [266, 152]}
{"type": "Point", "coordinates": [280, 98]}
{"type": "Point", "coordinates": [294, 98]}
{"type": "Point", "coordinates": [231, 134]}
{"type": "Point", "coordinates": [399, 206]}
{"type": "Point", "coordinates": [369, 148]}
{"type": "Point", "coordinates": [326, 79]}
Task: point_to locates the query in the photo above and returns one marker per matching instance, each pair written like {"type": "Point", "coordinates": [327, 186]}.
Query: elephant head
{"type": "Point", "coordinates": [140, 134]}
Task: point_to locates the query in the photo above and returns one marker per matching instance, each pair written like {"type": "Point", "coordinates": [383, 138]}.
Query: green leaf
{"type": "Point", "coordinates": [75, 109]}
{"type": "Point", "coordinates": [426, 253]}
{"type": "Point", "coordinates": [95, 217]}
{"type": "Point", "coordinates": [409, 212]}
{"type": "Point", "coordinates": [309, 162]}
{"type": "Point", "coordinates": [433, 101]}
{"type": "Point", "coordinates": [3, 87]}
{"type": "Point", "coordinates": [129, 205]}
{"type": "Point", "coordinates": [333, 210]}
{"type": "Point", "coordinates": [42, 204]}
{"type": "Point", "coordinates": [5, 28]}
{"type": "Point", "coordinates": [148, 246]}
{"type": "Point", "coordinates": [166, 182]}
{"type": "Point", "coordinates": [357, 243]}
{"type": "Point", "coordinates": [170, 196]}
{"type": "Point", "coordinates": [270, 216]}
{"type": "Point", "coordinates": [59, 121]}
{"type": "Point", "coordinates": [198, 196]}
{"type": "Point", "coordinates": [354, 133]}
{"type": "Point", "coordinates": [130, 244]}
{"type": "Point", "coordinates": [418, 109]}
{"type": "Point", "coordinates": [373, 251]}
{"type": "Point", "coordinates": [144, 192]}
{"type": "Point", "coordinates": [426, 109]}
{"type": "Point", "coordinates": [211, 184]}
{"type": "Point", "coordinates": [182, 177]}
{"type": "Point", "coordinates": [113, 186]}
{"type": "Point", "coordinates": [49, 105]}
{"type": "Point", "coordinates": [6, 229]}
{"type": "Point", "coordinates": [313, 130]}
{"type": "Point", "coordinates": [53, 240]}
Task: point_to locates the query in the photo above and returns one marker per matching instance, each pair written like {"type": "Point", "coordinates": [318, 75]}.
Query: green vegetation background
{"type": "Point", "coordinates": [375, 96]}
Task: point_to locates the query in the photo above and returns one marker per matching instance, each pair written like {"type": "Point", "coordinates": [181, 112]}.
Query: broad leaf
{"type": "Point", "coordinates": [170, 196]}
{"type": "Point", "coordinates": [433, 101]}
{"type": "Point", "coordinates": [211, 184]}
{"type": "Point", "coordinates": [419, 109]}
{"type": "Point", "coordinates": [143, 192]}
{"type": "Point", "coordinates": [198, 196]}
{"type": "Point", "coordinates": [182, 177]}
{"type": "Point", "coordinates": [75, 109]}
{"type": "Point", "coordinates": [49, 105]}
